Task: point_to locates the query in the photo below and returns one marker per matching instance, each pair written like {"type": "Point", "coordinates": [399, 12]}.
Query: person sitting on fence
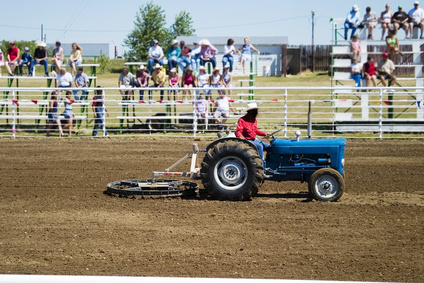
{"type": "Point", "coordinates": [58, 56]}
{"type": "Point", "coordinates": [369, 70]}
{"type": "Point", "coordinates": [76, 57]}
{"type": "Point", "coordinates": [64, 79]}
{"type": "Point", "coordinates": [99, 111]}
{"type": "Point", "coordinates": [155, 56]}
{"type": "Point", "coordinates": [416, 19]}
{"type": "Point", "coordinates": [174, 52]}
{"type": "Point", "coordinates": [202, 109]}
{"type": "Point", "coordinates": [385, 70]}
{"type": "Point", "coordinates": [184, 61]}
{"type": "Point", "coordinates": [188, 82]}
{"type": "Point", "coordinates": [221, 111]}
{"type": "Point", "coordinates": [173, 80]}
{"type": "Point", "coordinates": [141, 80]}
{"type": "Point", "coordinates": [247, 129]}
{"type": "Point", "coordinates": [203, 81]}
{"type": "Point", "coordinates": [386, 20]}
{"type": "Point", "coordinates": [245, 52]}
{"type": "Point", "coordinates": [159, 79]}
{"type": "Point", "coordinates": [227, 80]}
{"type": "Point", "coordinates": [370, 22]}
{"type": "Point", "coordinates": [26, 59]}
{"type": "Point", "coordinates": [81, 81]}
{"type": "Point", "coordinates": [40, 58]}
{"type": "Point", "coordinates": [356, 72]}
{"type": "Point", "coordinates": [400, 20]}
{"type": "Point", "coordinates": [125, 82]}
{"type": "Point", "coordinates": [352, 21]}
{"type": "Point", "coordinates": [13, 57]}
{"type": "Point", "coordinates": [207, 53]}
{"type": "Point", "coordinates": [215, 80]}
{"type": "Point", "coordinates": [1, 60]}
{"type": "Point", "coordinates": [392, 45]}
{"type": "Point", "coordinates": [229, 51]}
{"type": "Point", "coordinates": [52, 115]}
{"type": "Point", "coordinates": [356, 48]}
{"type": "Point", "coordinates": [195, 56]}
{"type": "Point", "coordinates": [68, 114]}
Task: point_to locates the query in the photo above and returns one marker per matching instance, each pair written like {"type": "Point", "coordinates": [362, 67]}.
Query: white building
{"type": "Point", "coordinates": [88, 49]}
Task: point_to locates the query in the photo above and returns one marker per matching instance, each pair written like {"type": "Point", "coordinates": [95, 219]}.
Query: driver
{"type": "Point", "coordinates": [247, 129]}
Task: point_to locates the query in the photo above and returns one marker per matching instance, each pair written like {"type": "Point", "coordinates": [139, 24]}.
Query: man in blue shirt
{"type": "Point", "coordinates": [25, 60]}
{"type": "Point", "coordinates": [81, 80]}
{"type": "Point", "coordinates": [352, 21]}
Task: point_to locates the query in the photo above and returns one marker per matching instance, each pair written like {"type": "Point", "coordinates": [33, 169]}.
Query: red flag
{"type": "Point", "coordinates": [35, 101]}
{"type": "Point", "coordinates": [15, 101]}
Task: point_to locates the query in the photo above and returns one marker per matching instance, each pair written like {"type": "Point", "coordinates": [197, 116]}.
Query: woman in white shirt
{"type": "Point", "coordinates": [155, 55]}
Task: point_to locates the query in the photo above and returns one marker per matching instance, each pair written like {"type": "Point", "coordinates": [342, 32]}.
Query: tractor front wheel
{"type": "Point", "coordinates": [326, 184]}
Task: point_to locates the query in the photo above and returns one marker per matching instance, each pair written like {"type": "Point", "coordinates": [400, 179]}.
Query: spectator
{"type": "Point", "coordinates": [81, 81]}
{"type": "Point", "coordinates": [227, 79]}
{"type": "Point", "coordinates": [386, 69]}
{"type": "Point", "coordinates": [356, 72]}
{"type": "Point", "coordinates": [26, 59]}
{"type": "Point", "coordinates": [370, 22]}
{"type": "Point", "coordinates": [159, 79]}
{"type": "Point", "coordinates": [195, 56]}
{"type": "Point", "coordinates": [392, 45]}
{"type": "Point", "coordinates": [184, 61]}
{"type": "Point", "coordinates": [52, 115]}
{"type": "Point", "coordinates": [125, 82]}
{"type": "Point", "coordinates": [13, 55]}
{"type": "Point", "coordinates": [64, 79]}
{"type": "Point", "coordinates": [246, 53]}
{"type": "Point", "coordinates": [207, 53]}
{"type": "Point", "coordinates": [416, 18]}
{"type": "Point", "coordinates": [188, 82]}
{"type": "Point", "coordinates": [222, 112]}
{"type": "Point", "coordinates": [215, 80]}
{"type": "Point", "coordinates": [386, 20]}
{"type": "Point", "coordinates": [155, 56]}
{"type": "Point", "coordinates": [247, 129]}
{"type": "Point", "coordinates": [400, 20]}
{"type": "Point", "coordinates": [202, 109]}
{"type": "Point", "coordinates": [229, 51]}
{"type": "Point", "coordinates": [369, 70]}
{"type": "Point", "coordinates": [356, 48]}
{"type": "Point", "coordinates": [58, 56]}
{"type": "Point", "coordinates": [99, 111]}
{"type": "Point", "coordinates": [40, 58]}
{"type": "Point", "coordinates": [352, 21]}
{"type": "Point", "coordinates": [1, 60]}
{"type": "Point", "coordinates": [173, 83]}
{"type": "Point", "coordinates": [142, 80]}
{"type": "Point", "coordinates": [174, 52]}
{"type": "Point", "coordinates": [203, 81]}
{"type": "Point", "coordinates": [68, 114]}
{"type": "Point", "coordinates": [76, 57]}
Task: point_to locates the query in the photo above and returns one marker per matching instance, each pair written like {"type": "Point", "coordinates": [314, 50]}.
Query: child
{"type": "Point", "coordinates": [356, 72]}
{"type": "Point", "coordinates": [187, 81]}
{"type": "Point", "coordinates": [173, 82]}
{"type": "Point", "coordinates": [202, 109]}
{"type": "Point", "coordinates": [215, 80]}
{"type": "Point", "coordinates": [68, 114]}
{"type": "Point", "coordinates": [99, 112]}
{"type": "Point", "coordinates": [52, 114]}
{"type": "Point", "coordinates": [1, 60]}
{"type": "Point", "coordinates": [203, 81]}
{"type": "Point", "coordinates": [222, 110]}
{"type": "Point", "coordinates": [356, 48]}
{"type": "Point", "coordinates": [25, 60]}
{"type": "Point", "coordinates": [227, 79]}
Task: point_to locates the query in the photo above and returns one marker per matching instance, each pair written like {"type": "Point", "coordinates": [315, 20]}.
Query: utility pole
{"type": "Point", "coordinates": [42, 33]}
{"type": "Point", "coordinates": [313, 43]}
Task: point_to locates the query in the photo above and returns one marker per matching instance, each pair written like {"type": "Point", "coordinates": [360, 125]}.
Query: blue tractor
{"type": "Point", "coordinates": [233, 170]}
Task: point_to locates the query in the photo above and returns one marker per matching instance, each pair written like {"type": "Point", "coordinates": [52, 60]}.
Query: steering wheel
{"type": "Point", "coordinates": [274, 133]}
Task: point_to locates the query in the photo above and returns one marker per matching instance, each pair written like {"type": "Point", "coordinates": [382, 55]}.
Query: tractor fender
{"type": "Point", "coordinates": [212, 144]}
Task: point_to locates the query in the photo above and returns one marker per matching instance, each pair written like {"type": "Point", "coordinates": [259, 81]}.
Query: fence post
{"type": "Point", "coordinates": [104, 112]}
{"type": "Point", "coordinates": [194, 97]}
{"type": "Point", "coordinates": [13, 114]}
{"type": "Point", "coordinates": [285, 113]}
{"type": "Point", "coordinates": [380, 119]}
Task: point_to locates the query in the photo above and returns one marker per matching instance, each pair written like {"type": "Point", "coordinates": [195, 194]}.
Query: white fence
{"type": "Point", "coordinates": [346, 111]}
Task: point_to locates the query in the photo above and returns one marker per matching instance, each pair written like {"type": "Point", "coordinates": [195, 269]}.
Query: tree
{"type": "Point", "coordinates": [183, 25]}
{"type": "Point", "coordinates": [149, 24]}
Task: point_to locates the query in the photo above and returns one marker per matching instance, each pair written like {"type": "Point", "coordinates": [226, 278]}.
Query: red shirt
{"type": "Point", "coordinates": [13, 53]}
{"type": "Point", "coordinates": [369, 68]}
{"type": "Point", "coordinates": [248, 129]}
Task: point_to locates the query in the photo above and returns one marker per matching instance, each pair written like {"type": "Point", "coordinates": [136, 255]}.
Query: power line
{"type": "Point", "coordinates": [258, 23]}
{"type": "Point", "coordinates": [73, 30]}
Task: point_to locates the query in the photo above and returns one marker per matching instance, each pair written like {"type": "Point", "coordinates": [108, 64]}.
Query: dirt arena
{"type": "Point", "coordinates": [55, 218]}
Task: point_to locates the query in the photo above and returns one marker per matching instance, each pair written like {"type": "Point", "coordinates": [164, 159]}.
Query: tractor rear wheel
{"type": "Point", "coordinates": [232, 170]}
{"type": "Point", "coordinates": [326, 184]}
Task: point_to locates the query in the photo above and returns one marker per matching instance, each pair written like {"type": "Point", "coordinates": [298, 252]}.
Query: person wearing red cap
{"type": "Point", "coordinates": [385, 70]}
{"type": "Point", "coordinates": [13, 55]}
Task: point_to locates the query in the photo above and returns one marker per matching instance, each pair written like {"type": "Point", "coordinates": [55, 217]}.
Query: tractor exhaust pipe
{"type": "Point", "coordinates": [310, 120]}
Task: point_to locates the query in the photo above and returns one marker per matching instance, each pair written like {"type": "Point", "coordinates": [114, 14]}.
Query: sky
{"type": "Point", "coordinates": [107, 21]}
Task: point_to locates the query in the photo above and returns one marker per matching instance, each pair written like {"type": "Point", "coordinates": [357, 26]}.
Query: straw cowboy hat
{"type": "Point", "coordinates": [173, 70]}
{"type": "Point", "coordinates": [251, 106]}
{"type": "Point", "coordinates": [158, 66]}
{"type": "Point", "coordinates": [43, 44]}
{"type": "Point", "coordinates": [204, 42]}
{"type": "Point", "coordinates": [142, 67]}
{"type": "Point", "coordinates": [215, 69]}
